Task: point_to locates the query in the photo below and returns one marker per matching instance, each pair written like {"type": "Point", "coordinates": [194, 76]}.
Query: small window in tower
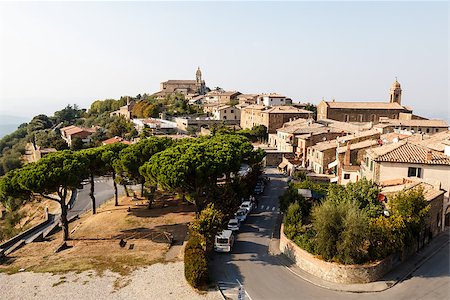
{"type": "Point", "coordinates": [346, 176]}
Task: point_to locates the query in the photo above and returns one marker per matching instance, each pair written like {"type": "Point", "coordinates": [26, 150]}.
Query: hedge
{"type": "Point", "coordinates": [195, 262]}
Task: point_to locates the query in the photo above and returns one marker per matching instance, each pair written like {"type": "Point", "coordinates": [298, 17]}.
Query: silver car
{"type": "Point", "coordinates": [234, 224]}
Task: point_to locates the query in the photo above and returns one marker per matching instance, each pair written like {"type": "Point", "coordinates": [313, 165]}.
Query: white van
{"type": "Point", "coordinates": [223, 242]}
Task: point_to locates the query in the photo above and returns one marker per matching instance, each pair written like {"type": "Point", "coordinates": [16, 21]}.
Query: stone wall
{"type": "Point", "coordinates": [334, 272]}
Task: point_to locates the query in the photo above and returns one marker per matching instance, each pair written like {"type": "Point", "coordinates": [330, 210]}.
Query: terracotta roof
{"type": "Point", "coordinates": [115, 139]}
{"type": "Point", "coordinates": [75, 130]}
{"type": "Point", "coordinates": [367, 133]}
{"type": "Point", "coordinates": [394, 186]}
{"type": "Point", "coordinates": [403, 152]}
{"type": "Point", "coordinates": [175, 81]}
{"type": "Point", "coordinates": [360, 145]}
{"type": "Point", "coordinates": [436, 141]}
{"type": "Point", "coordinates": [325, 145]}
{"type": "Point", "coordinates": [365, 105]}
{"type": "Point", "coordinates": [68, 127]}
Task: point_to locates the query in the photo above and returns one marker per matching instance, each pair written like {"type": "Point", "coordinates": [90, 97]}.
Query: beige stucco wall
{"type": "Point", "coordinates": [430, 173]}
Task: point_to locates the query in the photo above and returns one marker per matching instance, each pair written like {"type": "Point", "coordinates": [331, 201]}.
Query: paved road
{"type": "Point", "coordinates": [104, 190]}
{"type": "Point", "coordinates": [266, 277]}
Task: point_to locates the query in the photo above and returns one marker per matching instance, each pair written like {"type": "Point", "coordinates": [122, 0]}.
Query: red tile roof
{"type": "Point", "coordinates": [404, 152]}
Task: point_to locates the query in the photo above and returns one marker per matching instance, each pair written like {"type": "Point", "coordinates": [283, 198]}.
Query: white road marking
{"type": "Point", "coordinates": [244, 290]}
{"type": "Point", "coordinates": [273, 208]}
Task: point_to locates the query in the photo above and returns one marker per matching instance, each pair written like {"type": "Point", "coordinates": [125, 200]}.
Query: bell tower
{"type": "Point", "coordinates": [198, 76]}
{"type": "Point", "coordinates": [395, 93]}
{"type": "Point", "coordinates": [199, 82]}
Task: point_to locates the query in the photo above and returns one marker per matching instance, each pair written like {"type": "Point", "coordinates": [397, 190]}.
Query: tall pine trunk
{"type": "Point", "coordinates": [142, 189]}
{"type": "Point", "coordinates": [91, 194]}
{"type": "Point", "coordinates": [64, 222]}
{"type": "Point", "coordinates": [116, 194]}
{"type": "Point", "coordinates": [126, 190]}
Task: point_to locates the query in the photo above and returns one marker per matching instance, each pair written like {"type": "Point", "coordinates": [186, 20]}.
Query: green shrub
{"type": "Point", "coordinates": [293, 221]}
{"type": "Point", "coordinates": [291, 196]}
{"type": "Point", "coordinates": [195, 262]}
{"type": "Point", "coordinates": [307, 241]}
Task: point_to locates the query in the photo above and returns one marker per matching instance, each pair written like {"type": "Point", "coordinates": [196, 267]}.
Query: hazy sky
{"type": "Point", "coordinates": [53, 54]}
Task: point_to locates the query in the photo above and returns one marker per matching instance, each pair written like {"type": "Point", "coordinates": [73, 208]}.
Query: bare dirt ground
{"type": "Point", "coordinates": [97, 267]}
{"type": "Point", "coordinates": [95, 239]}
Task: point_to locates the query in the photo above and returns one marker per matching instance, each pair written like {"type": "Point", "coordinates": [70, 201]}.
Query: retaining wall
{"type": "Point", "coordinates": [335, 272]}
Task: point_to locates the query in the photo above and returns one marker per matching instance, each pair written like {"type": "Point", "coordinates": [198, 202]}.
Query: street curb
{"type": "Point", "coordinates": [389, 284]}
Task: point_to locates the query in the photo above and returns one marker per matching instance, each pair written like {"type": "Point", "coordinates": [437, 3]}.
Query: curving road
{"type": "Point", "coordinates": [264, 276]}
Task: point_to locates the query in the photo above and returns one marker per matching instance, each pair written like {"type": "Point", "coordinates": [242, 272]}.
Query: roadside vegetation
{"type": "Point", "coordinates": [348, 226]}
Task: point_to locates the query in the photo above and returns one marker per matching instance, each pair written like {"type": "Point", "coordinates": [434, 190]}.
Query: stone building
{"type": "Point", "coordinates": [125, 110]}
{"type": "Point", "coordinates": [185, 87]}
{"type": "Point", "coordinates": [71, 132]}
{"type": "Point", "coordinates": [221, 97]}
{"type": "Point", "coordinates": [226, 112]}
{"type": "Point", "coordinates": [364, 111]}
{"type": "Point", "coordinates": [322, 157]}
{"type": "Point", "coordinates": [271, 117]}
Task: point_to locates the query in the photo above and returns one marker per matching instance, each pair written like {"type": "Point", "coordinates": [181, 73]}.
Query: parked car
{"type": "Point", "coordinates": [223, 242]}
{"type": "Point", "coordinates": [241, 215]}
{"type": "Point", "coordinates": [234, 224]}
{"type": "Point", "coordinates": [247, 205]}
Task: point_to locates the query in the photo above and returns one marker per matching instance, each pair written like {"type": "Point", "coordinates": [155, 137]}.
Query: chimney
{"type": "Point", "coordinates": [347, 155]}
{"type": "Point", "coordinates": [429, 155]}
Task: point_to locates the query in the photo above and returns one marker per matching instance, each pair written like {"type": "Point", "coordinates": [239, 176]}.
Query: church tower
{"type": "Point", "coordinates": [395, 93]}
{"type": "Point", "coordinates": [198, 76]}
{"type": "Point", "coordinates": [199, 82]}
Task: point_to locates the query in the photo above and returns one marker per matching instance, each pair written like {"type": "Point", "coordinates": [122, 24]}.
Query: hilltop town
{"type": "Point", "coordinates": [177, 174]}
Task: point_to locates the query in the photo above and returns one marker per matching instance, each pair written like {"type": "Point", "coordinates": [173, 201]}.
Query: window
{"type": "Point", "coordinates": [437, 130]}
{"type": "Point", "coordinates": [415, 172]}
{"type": "Point", "coordinates": [224, 117]}
{"type": "Point", "coordinates": [367, 161]}
{"type": "Point", "coordinates": [232, 111]}
{"type": "Point", "coordinates": [371, 165]}
{"type": "Point", "coordinates": [374, 117]}
{"type": "Point", "coordinates": [428, 130]}
{"type": "Point", "coordinates": [346, 118]}
{"type": "Point", "coordinates": [346, 176]}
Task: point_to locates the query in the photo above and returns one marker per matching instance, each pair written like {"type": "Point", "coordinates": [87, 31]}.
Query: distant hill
{"type": "Point", "coordinates": [10, 123]}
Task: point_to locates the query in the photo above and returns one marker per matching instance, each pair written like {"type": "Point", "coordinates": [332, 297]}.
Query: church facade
{"type": "Point", "coordinates": [364, 111]}
{"type": "Point", "coordinates": [185, 87]}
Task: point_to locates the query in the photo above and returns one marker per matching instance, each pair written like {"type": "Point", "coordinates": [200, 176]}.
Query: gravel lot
{"type": "Point", "coordinates": [158, 281]}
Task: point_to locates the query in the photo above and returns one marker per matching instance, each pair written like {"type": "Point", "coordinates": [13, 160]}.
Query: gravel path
{"type": "Point", "coordinates": [159, 281]}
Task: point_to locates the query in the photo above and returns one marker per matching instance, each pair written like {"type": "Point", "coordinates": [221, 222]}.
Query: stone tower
{"type": "Point", "coordinates": [198, 76]}
{"type": "Point", "coordinates": [395, 93]}
{"type": "Point", "coordinates": [201, 89]}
